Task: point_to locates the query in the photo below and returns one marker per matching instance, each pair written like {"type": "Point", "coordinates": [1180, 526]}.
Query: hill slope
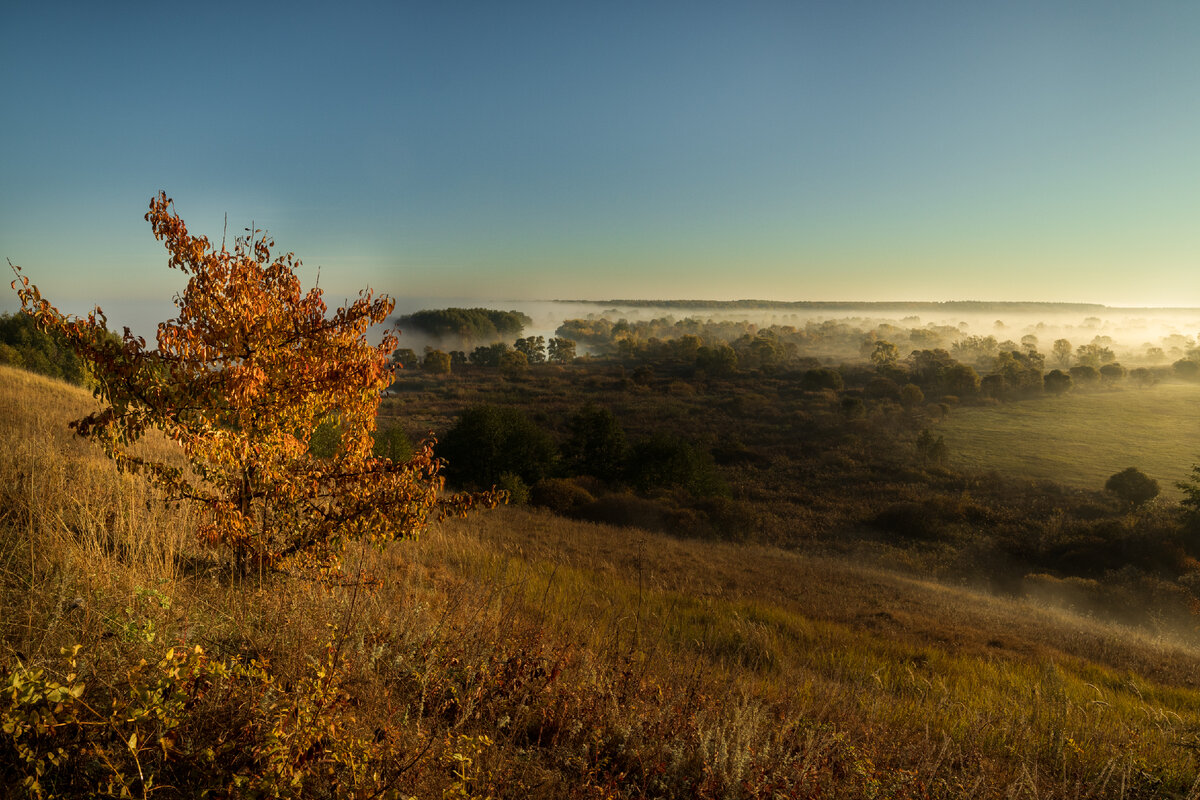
{"type": "Point", "coordinates": [517, 654]}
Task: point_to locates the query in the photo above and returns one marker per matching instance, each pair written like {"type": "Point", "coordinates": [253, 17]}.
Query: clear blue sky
{"type": "Point", "coordinates": [793, 151]}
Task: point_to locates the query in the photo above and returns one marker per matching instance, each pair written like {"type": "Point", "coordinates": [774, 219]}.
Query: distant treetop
{"type": "Point", "coordinates": [799, 305]}
{"type": "Point", "coordinates": [465, 326]}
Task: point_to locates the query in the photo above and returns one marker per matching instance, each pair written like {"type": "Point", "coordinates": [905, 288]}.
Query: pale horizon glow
{"type": "Point", "coordinates": [534, 151]}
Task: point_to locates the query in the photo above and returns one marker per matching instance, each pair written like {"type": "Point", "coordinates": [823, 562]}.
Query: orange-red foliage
{"type": "Point", "coordinates": [240, 379]}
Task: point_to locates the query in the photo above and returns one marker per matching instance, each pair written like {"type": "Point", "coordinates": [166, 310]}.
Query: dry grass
{"type": "Point", "coordinates": [516, 654]}
{"type": "Point", "coordinates": [1082, 438]}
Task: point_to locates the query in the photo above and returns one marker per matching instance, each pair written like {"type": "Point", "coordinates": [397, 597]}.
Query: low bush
{"type": "Point", "coordinates": [560, 495]}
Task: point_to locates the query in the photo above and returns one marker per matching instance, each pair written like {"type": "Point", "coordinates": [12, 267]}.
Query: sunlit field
{"type": "Point", "coordinates": [521, 654]}
{"type": "Point", "coordinates": [1082, 438]}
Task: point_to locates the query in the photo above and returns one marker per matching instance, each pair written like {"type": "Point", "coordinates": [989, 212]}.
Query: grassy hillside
{"type": "Point", "coordinates": [1082, 438]}
{"type": "Point", "coordinates": [518, 654]}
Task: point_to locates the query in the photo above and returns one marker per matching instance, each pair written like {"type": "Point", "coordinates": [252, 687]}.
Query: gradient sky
{"type": "Point", "coordinates": [789, 151]}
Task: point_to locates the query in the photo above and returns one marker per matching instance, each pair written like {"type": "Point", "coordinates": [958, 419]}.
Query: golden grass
{"type": "Point", "coordinates": [569, 659]}
{"type": "Point", "coordinates": [1082, 438]}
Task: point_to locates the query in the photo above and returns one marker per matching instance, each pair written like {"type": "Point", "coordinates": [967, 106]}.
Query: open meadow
{"type": "Point", "coordinates": [517, 653]}
{"type": "Point", "coordinates": [1081, 438]}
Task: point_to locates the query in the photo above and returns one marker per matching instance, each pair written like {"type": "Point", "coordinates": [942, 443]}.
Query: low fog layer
{"type": "Point", "coordinates": [1131, 333]}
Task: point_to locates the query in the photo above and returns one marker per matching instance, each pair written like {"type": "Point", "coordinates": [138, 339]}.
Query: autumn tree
{"type": "Point", "coordinates": [240, 379]}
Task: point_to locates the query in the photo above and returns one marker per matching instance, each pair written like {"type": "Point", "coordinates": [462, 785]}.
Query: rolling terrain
{"type": "Point", "coordinates": [517, 653]}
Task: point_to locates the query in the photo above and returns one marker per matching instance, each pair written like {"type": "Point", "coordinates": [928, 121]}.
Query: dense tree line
{"type": "Point", "coordinates": [23, 345]}
{"type": "Point", "coordinates": [465, 326]}
{"type": "Point", "coordinates": [502, 446]}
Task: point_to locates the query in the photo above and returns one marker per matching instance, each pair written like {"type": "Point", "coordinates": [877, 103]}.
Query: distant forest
{"type": "Point", "coordinates": [979, 306]}
{"type": "Point", "coordinates": [465, 326]}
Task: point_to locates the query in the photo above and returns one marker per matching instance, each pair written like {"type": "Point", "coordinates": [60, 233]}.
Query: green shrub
{"type": "Point", "coordinates": [488, 441]}
{"type": "Point", "coordinates": [392, 442]}
{"type": "Point", "coordinates": [596, 443]}
{"type": "Point", "coordinates": [560, 495]}
{"type": "Point", "coordinates": [666, 460]}
{"type": "Point", "coordinates": [517, 489]}
{"type": "Point", "coordinates": [23, 345]}
{"type": "Point", "coordinates": [822, 378]}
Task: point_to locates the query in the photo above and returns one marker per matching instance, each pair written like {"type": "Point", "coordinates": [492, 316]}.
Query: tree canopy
{"type": "Point", "coordinates": [241, 379]}
{"type": "Point", "coordinates": [23, 345]}
{"type": "Point", "coordinates": [1133, 486]}
{"type": "Point", "coordinates": [464, 327]}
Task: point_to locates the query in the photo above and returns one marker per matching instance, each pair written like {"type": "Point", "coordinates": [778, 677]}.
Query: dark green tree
{"type": "Point", "coordinates": [1094, 354]}
{"type": "Point", "coordinates": [994, 386]}
{"type": "Point", "coordinates": [465, 326]}
{"type": "Point", "coordinates": [719, 359]}
{"type": "Point", "coordinates": [488, 355]}
{"type": "Point", "coordinates": [534, 348]}
{"type": "Point", "coordinates": [1057, 382]}
{"type": "Point", "coordinates": [1112, 372]}
{"type": "Point", "coordinates": [436, 362]}
{"type": "Point", "coordinates": [1085, 374]}
{"type": "Point", "coordinates": [514, 364]}
{"type": "Point", "coordinates": [665, 461]}
{"type": "Point", "coordinates": [596, 444]}
{"type": "Point", "coordinates": [884, 353]}
{"type": "Point", "coordinates": [932, 449]}
{"type": "Point", "coordinates": [911, 395]}
{"type": "Point", "coordinates": [561, 350]}
{"type": "Point", "coordinates": [1143, 377]}
{"type": "Point", "coordinates": [489, 441]}
{"type": "Point", "coordinates": [959, 380]}
{"type": "Point", "coordinates": [406, 358]}
{"type": "Point", "coordinates": [1191, 500]}
{"type": "Point", "coordinates": [1133, 486]}
{"type": "Point", "coordinates": [45, 352]}
{"type": "Point", "coordinates": [392, 442]}
{"type": "Point", "coordinates": [822, 378]}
